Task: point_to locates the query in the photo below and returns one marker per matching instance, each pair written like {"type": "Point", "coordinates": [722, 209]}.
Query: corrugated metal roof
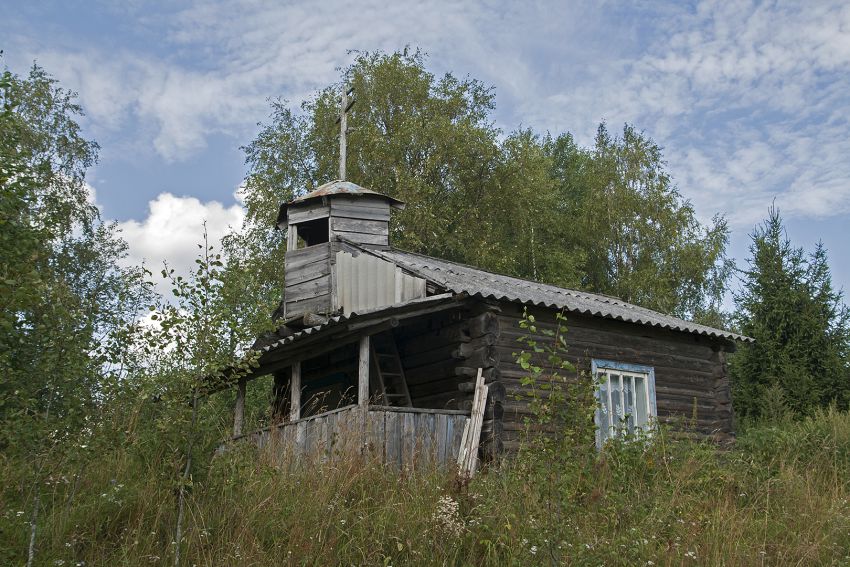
{"type": "Point", "coordinates": [460, 278]}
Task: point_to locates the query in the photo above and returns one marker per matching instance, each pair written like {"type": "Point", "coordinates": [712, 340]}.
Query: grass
{"type": "Point", "coordinates": [778, 497]}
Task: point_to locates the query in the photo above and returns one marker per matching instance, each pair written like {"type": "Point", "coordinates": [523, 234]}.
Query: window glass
{"type": "Point", "coordinates": [625, 404]}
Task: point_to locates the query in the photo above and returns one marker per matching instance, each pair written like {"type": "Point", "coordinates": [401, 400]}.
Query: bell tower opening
{"type": "Point", "coordinates": [310, 233]}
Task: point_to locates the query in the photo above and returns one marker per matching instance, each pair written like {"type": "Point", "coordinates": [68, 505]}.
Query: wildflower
{"type": "Point", "coordinates": [691, 554]}
{"type": "Point", "coordinates": [533, 550]}
{"type": "Point", "coordinates": [447, 516]}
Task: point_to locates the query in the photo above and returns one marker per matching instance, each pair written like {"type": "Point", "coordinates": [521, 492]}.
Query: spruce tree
{"type": "Point", "coordinates": [799, 323]}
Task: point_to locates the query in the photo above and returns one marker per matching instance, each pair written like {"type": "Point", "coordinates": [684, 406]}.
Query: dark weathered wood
{"type": "Point", "coordinates": [318, 304]}
{"type": "Point", "coordinates": [687, 368]}
{"type": "Point", "coordinates": [365, 213]}
{"type": "Point", "coordinates": [306, 272]}
{"type": "Point", "coordinates": [315, 287]}
{"type": "Point", "coordinates": [367, 203]}
{"type": "Point", "coordinates": [426, 411]}
{"type": "Point", "coordinates": [295, 215]}
{"type": "Point", "coordinates": [359, 225]}
{"type": "Point", "coordinates": [362, 238]}
{"type": "Point", "coordinates": [303, 256]}
{"type": "Point", "coordinates": [484, 324]}
{"type": "Point", "coordinates": [295, 391]}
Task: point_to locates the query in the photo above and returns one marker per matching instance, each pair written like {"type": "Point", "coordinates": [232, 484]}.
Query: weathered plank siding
{"type": "Point", "coordinates": [360, 220]}
{"type": "Point", "coordinates": [307, 280]}
{"type": "Point", "coordinates": [691, 380]}
{"type": "Point", "coordinates": [403, 437]}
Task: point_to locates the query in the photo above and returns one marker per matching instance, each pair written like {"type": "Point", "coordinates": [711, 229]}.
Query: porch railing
{"type": "Point", "coordinates": [402, 436]}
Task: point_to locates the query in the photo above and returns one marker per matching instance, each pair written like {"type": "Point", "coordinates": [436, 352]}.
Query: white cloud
{"type": "Point", "coordinates": [174, 228]}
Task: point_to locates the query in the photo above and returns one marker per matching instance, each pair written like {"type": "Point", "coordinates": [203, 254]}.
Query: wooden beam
{"type": "Point", "coordinates": [295, 391]}
{"type": "Point", "coordinates": [292, 237]}
{"type": "Point", "coordinates": [239, 408]}
{"type": "Point", "coordinates": [363, 373]}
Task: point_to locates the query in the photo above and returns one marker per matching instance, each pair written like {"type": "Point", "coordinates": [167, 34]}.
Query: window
{"type": "Point", "coordinates": [626, 394]}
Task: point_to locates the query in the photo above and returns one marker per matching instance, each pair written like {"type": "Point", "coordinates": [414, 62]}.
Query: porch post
{"type": "Point", "coordinates": [295, 391]}
{"type": "Point", "coordinates": [239, 408]}
{"type": "Point", "coordinates": [363, 373]}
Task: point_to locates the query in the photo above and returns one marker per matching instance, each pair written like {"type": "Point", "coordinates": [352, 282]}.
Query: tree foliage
{"type": "Point", "coordinates": [800, 325]}
{"type": "Point", "coordinates": [65, 297]}
{"type": "Point", "coordinates": [631, 233]}
{"type": "Point", "coordinates": [606, 219]}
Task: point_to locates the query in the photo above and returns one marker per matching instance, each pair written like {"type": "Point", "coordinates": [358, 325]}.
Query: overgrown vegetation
{"type": "Point", "coordinates": [779, 497]}
{"type": "Point", "coordinates": [103, 452]}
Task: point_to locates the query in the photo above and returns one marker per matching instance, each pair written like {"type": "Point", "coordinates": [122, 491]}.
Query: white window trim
{"type": "Point", "coordinates": [626, 370]}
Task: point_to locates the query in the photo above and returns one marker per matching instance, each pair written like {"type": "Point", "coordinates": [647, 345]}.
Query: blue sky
{"type": "Point", "coordinates": [750, 100]}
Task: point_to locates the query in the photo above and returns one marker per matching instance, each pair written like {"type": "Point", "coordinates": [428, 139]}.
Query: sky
{"type": "Point", "coordinates": [750, 100]}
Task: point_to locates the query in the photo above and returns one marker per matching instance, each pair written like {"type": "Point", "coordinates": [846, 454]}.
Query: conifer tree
{"type": "Point", "coordinates": [800, 325]}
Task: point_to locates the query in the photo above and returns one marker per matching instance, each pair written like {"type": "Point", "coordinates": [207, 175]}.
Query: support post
{"type": "Point", "coordinates": [363, 373]}
{"type": "Point", "coordinates": [239, 408]}
{"type": "Point", "coordinates": [292, 237]}
{"type": "Point", "coordinates": [295, 391]}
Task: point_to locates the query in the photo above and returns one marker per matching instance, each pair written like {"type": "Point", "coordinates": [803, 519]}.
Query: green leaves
{"type": "Point", "coordinates": [629, 231]}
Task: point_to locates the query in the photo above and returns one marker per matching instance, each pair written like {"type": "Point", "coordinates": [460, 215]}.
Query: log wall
{"type": "Point", "coordinates": [441, 355]}
{"type": "Point", "coordinates": [691, 380]}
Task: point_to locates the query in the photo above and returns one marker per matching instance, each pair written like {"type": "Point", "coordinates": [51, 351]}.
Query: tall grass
{"type": "Point", "coordinates": [780, 496]}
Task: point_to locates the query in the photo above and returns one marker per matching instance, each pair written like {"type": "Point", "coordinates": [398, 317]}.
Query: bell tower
{"type": "Point", "coordinates": [317, 225]}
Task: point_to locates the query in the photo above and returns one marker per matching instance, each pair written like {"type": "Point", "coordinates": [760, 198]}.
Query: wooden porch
{"type": "Point", "coordinates": [393, 385]}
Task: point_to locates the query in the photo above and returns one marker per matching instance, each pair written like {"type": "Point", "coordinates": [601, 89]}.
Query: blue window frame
{"type": "Point", "coordinates": [626, 396]}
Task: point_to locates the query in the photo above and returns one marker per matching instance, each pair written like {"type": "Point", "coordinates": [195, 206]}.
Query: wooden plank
{"type": "Point", "coordinates": [307, 272]}
{"type": "Point", "coordinates": [291, 238]}
{"type": "Point", "coordinates": [458, 423]}
{"type": "Point", "coordinates": [377, 203]}
{"type": "Point", "coordinates": [308, 255]}
{"type": "Point", "coordinates": [408, 440]}
{"type": "Point", "coordinates": [307, 214]}
{"type": "Point", "coordinates": [378, 434]}
{"type": "Point", "coordinates": [300, 438]}
{"type": "Point", "coordinates": [364, 226]}
{"type": "Point", "coordinates": [433, 411]}
{"type": "Point", "coordinates": [441, 428]}
{"type": "Point", "coordinates": [295, 391]}
{"type": "Point", "coordinates": [363, 373]}
{"type": "Point", "coordinates": [469, 462]}
{"type": "Point", "coordinates": [318, 304]}
{"type": "Point", "coordinates": [393, 436]}
{"type": "Point", "coordinates": [363, 213]}
{"type": "Point", "coordinates": [429, 432]}
{"type": "Point", "coordinates": [361, 238]}
{"type": "Point", "coordinates": [308, 289]}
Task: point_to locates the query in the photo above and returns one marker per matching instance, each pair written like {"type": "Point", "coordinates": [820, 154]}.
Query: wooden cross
{"type": "Point", "coordinates": [344, 107]}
